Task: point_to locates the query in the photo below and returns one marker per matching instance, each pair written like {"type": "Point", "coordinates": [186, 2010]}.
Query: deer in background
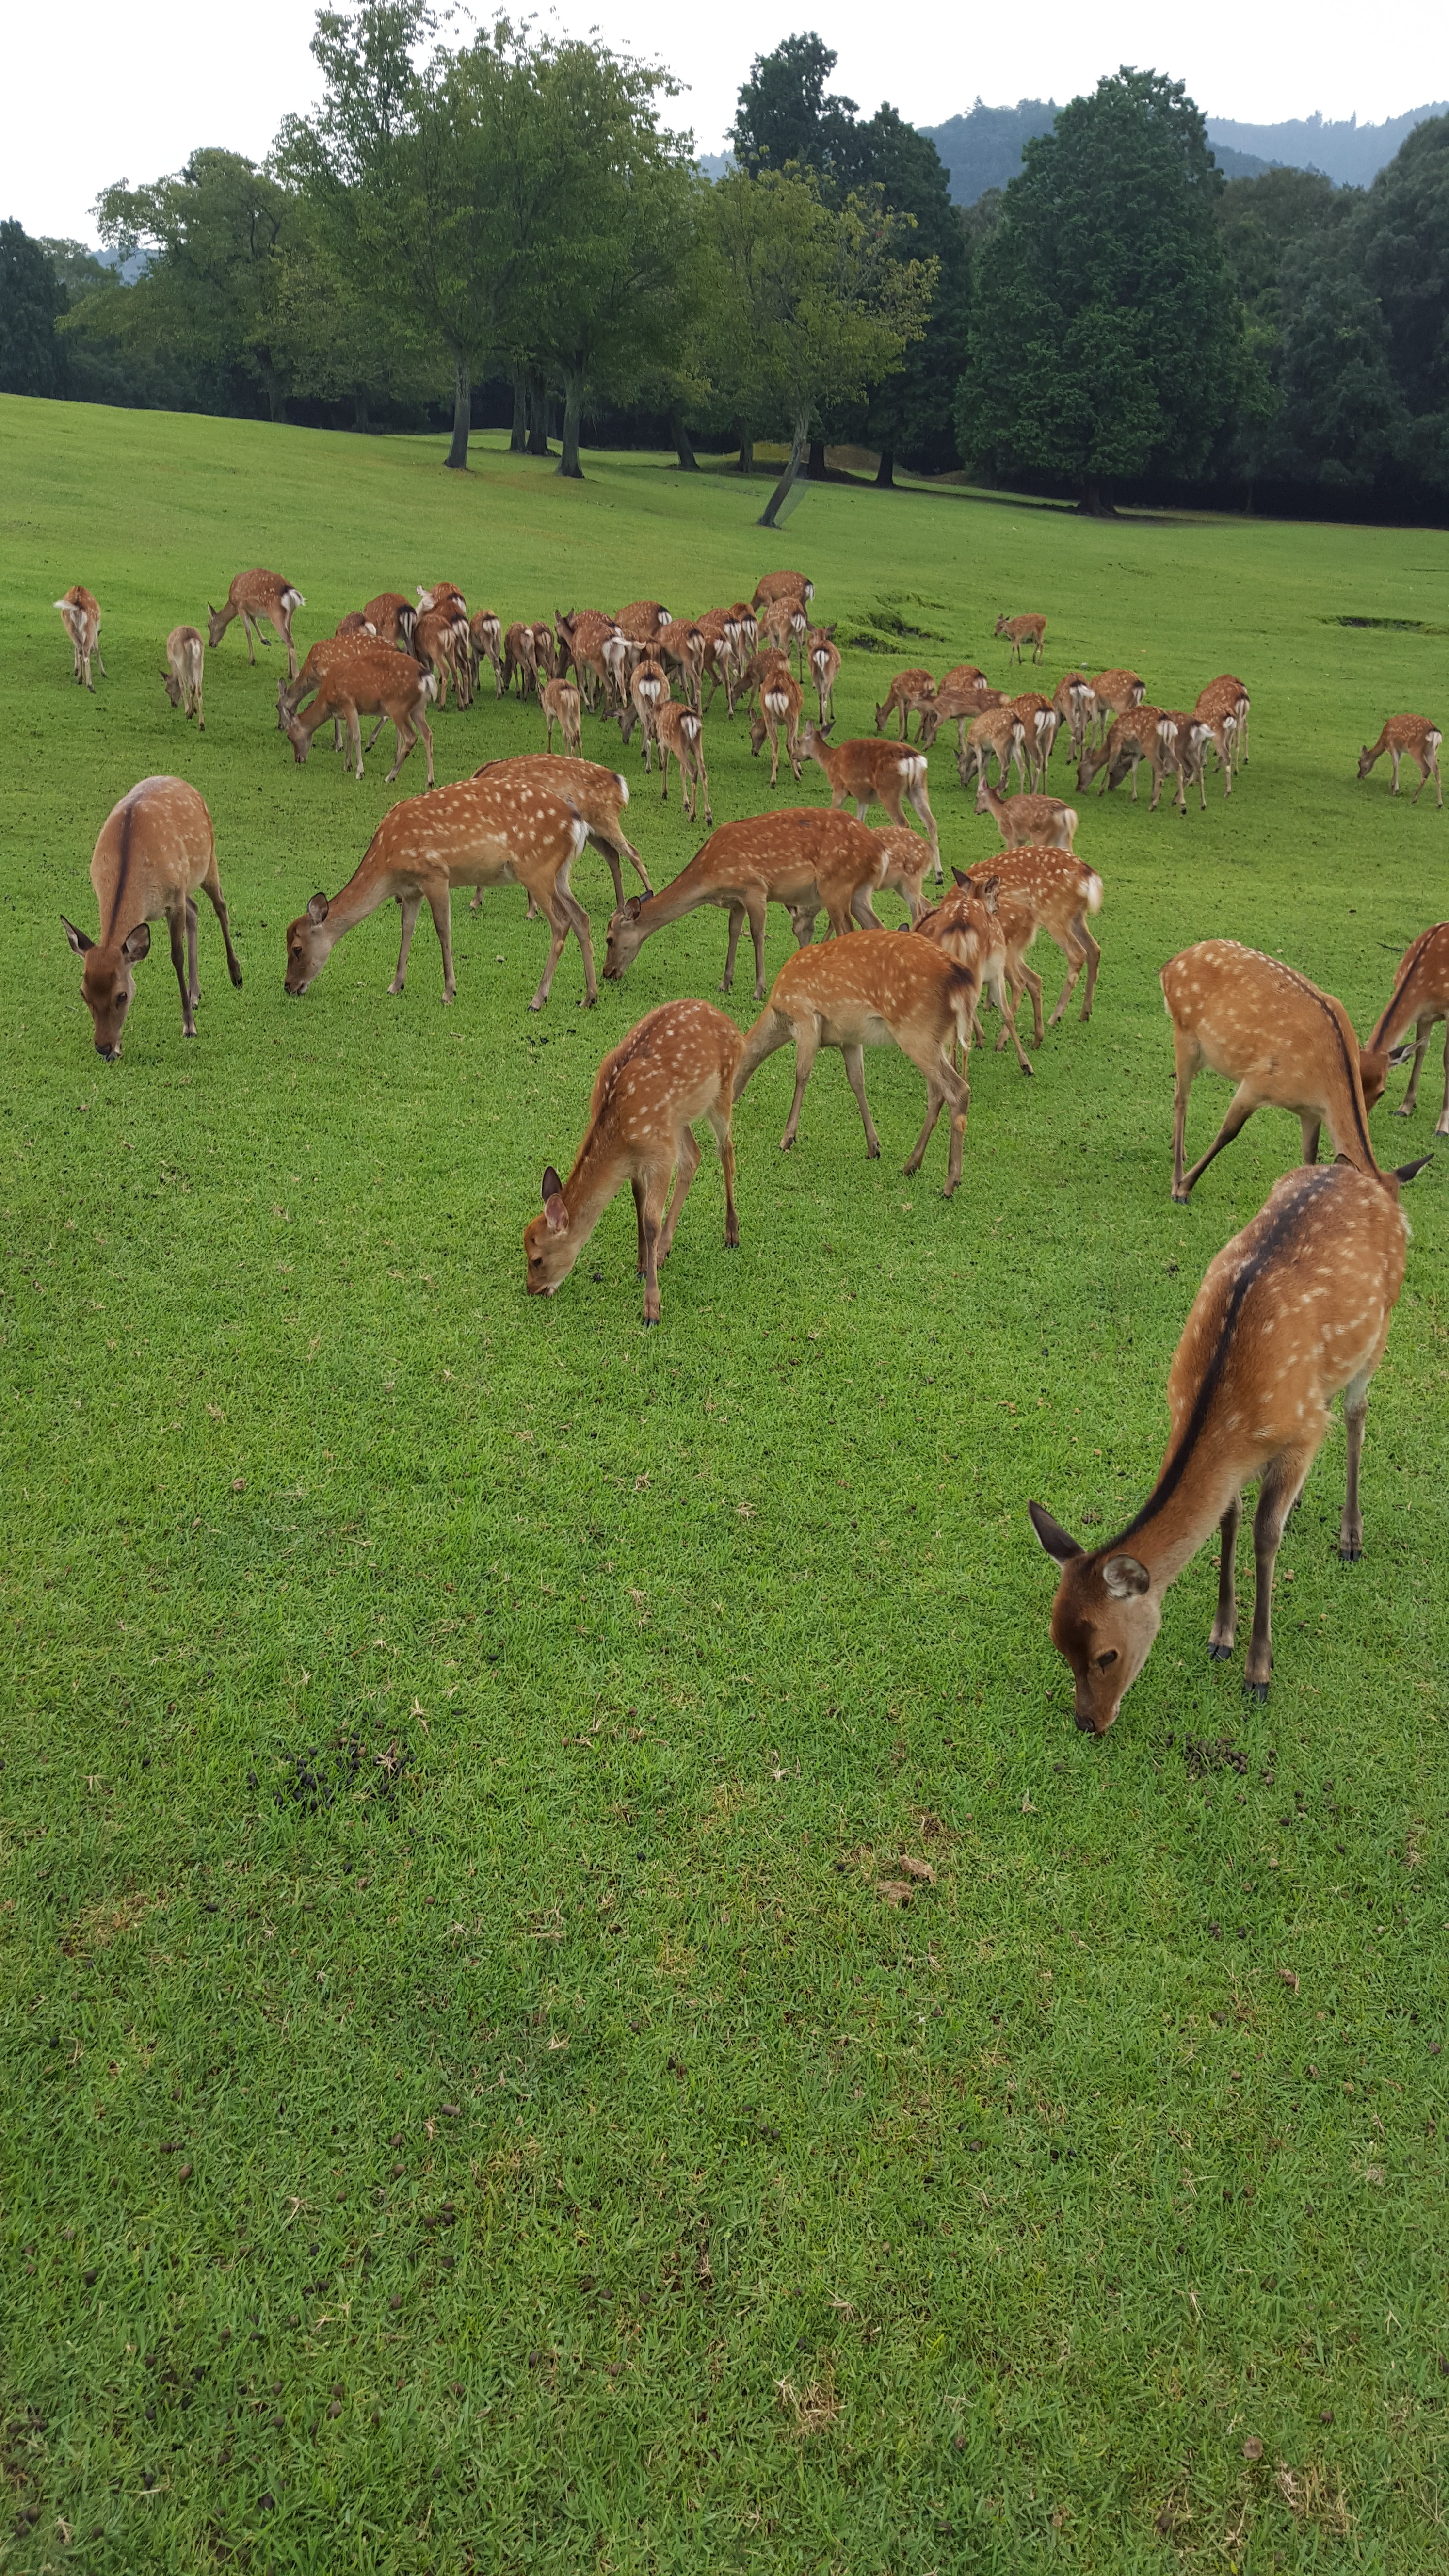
{"type": "Point", "coordinates": [649, 690]}
{"type": "Point", "coordinates": [1180, 740]}
{"type": "Point", "coordinates": [680, 647]}
{"type": "Point", "coordinates": [442, 594]}
{"type": "Point", "coordinates": [254, 597]}
{"type": "Point", "coordinates": [598, 794]}
{"type": "Point", "coordinates": [910, 693]}
{"type": "Point", "coordinates": [878, 987]}
{"type": "Point", "coordinates": [781, 585]}
{"type": "Point", "coordinates": [676, 1066]}
{"type": "Point", "coordinates": [392, 619]}
{"type": "Point", "coordinates": [379, 683]}
{"type": "Point", "coordinates": [1284, 1043]}
{"type": "Point", "coordinates": [485, 636]}
{"type": "Point", "coordinates": [582, 638]}
{"type": "Point", "coordinates": [441, 646]}
{"type": "Point", "coordinates": [998, 735]}
{"type": "Point", "coordinates": [680, 731]}
{"type": "Point", "coordinates": [1059, 894]}
{"type": "Point", "coordinates": [642, 620]}
{"type": "Point", "coordinates": [1420, 999]}
{"type": "Point", "coordinates": [905, 864]}
{"type": "Point", "coordinates": [1028, 822]}
{"type": "Point", "coordinates": [971, 924]}
{"type": "Point", "coordinates": [1116, 693]}
{"type": "Point", "coordinates": [155, 854]}
{"type": "Point", "coordinates": [1296, 1307]}
{"type": "Point", "coordinates": [823, 658]}
{"type": "Point", "coordinates": [520, 659]}
{"type": "Point", "coordinates": [1403, 737]}
{"type": "Point", "coordinates": [780, 708]}
{"type": "Point", "coordinates": [354, 623]}
{"type": "Point", "coordinates": [1131, 740]}
{"type": "Point", "coordinates": [1039, 730]}
{"type": "Point", "coordinates": [873, 773]}
{"type": "Point", "coordinates": [182, 677]}
{"type": "Point", "coordinates": [80, 615]}
{"type": "Point", "coordinates": [1228, 697]}
{"type": "Point", "coordinates": [561, 705]}
{"type": "Point", "coordinates": [1215, 721]}
{"type": "Point", "coordinates": [958, 702]}
{"type": "Point", "coordinates": [1023, 630]}
{"type": "Point", "coordinates": [800, 857]}
{"type": "Point", "coordinates": [329, 653]}
{"type": "Point", "coordinates": [1075, 701]}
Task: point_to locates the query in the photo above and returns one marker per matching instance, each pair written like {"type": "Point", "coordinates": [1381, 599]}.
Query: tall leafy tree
{"type": "Point", "coordinates": [218, 234]}
{"type": "Point", "coordinates": [785, 114]}
{"type": "Point", "coordinates": [30, 300]}
{"type": "Point", "coordinates": [1105, 340]}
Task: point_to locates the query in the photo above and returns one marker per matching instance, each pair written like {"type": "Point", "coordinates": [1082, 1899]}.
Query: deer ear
{"type": "Point", "coordinates": [555, 1212]}
{"type": "Point", "coordinates": [317, 910]}
{"type": "Point", "coordinates": [989, 892]}
{"type": "Point", "coordinates": [1057, 1541]}
{"type": "Point", "coordinates": [138, 945]}
{"type": "Point", "coordinates": [77, 938]}
{"type": "Point", "coordinates": [1126, 1577]}
{"type": "Point", "coordinates": [960, 876]}
{"type": "Point", "coordinates": [634, 907]}
{"type": "Point", "coordinates": [1410, 1171]}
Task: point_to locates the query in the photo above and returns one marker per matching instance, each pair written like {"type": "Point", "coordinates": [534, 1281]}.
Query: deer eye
{"type": "Point", "coordinates": [1110, 1657]}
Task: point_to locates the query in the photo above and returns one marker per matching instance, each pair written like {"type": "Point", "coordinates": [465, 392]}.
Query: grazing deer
{"type": "Point", "coordinates": [910, 693]}
{"type": "Point", "coordinates": [780, 708]}
{"type": "Point", "coordinates": [781, 585]}
{"type": "Point", "coordinates": [1419, 1000]}
{"type": "Point", "coordinates": [519, 658]}
{"type": "Point", "coordinates": [680, 731]}
{"type": "Point", "coordinates": [872, 773]}
{"type": "Point", "coordinates": [1403, 736]}
{"type": "Point", "coordinates": [778, 619]}
{"type": "Point", "coordinates": [1180, 740]}
{"type": "Point", "coordinates": [1028, 822]}
{"type": "Point", "coordinates": [1296, 1307]}
{"type": "Point", "coordinates": [377, 683]}
{"type": "Point", "coordinates": [329, 653]}
{"type": "Point", "coordinates": [255, 596]}
{"type": "Point", "coordinates": [1039, 730]}
{"type": "Point", "coordinates": [183, 675]}
{"type": "Point", "coordinates": [1132, 739]}
{"type": "Point", "coordinates": [823, 656]}
{"type": "Point", "coordinates": [760, 667]}
{"type": "Point", "coordinates": [967, 924]}
{"type": "Point", "coordinates": [649, 690]}
{"type": "Point", "coordinates": [1228, 697]}
{"type": "Point", "coordinates": [354, 623]}
{"type": "Point", "coordinates": [1216, 726]}
{"type": "Point", "coordinates": [964, 675]}
{"type": "Point", "coordinates": [800, 857]}
{"type": "Point", "coordinates": [1023, 630]}
{"type": "Point", "coordinates": [675, 1066]}
{"type": "Point", "coordinates": [881, 986]}
{"type": "Point", "coordinates": [958, 702]}
{"type": "Point", "coordinates": [582, 638]}
{"type": "Point", "coordinates": [562, 706]}
{"type": "Point", "coordinates": [1058, 892]}
{"type": "Point", "coordinates": [905, 864]}
{"type": "Point", "coordinates": [598, 794]}
{"type": "Point", "coordinates": [642, 620]}
{"type": "Point", "coordinates": [1115, 692]}
{"type": "Point", "coordinates": [486, 831]}
{"type": "Point", "coordinates": [485, 634]}
{"type": "Point", "coordinates": [441, 646]}
{"type": "Point", "coordinates": [392, 619]}
{"type": "Point", "coordinates": [1284, 1043]}
{"type": "Point", "coordinates": [80, 615]}
{"type": "Point", "coordinates": [442, 594]}
{"type": "Point", "coordinates": [997, 734]}
{"type": "Point", "coordinates": [154, 855]}
{"type": "Point", "coordinates": [1075, 701]}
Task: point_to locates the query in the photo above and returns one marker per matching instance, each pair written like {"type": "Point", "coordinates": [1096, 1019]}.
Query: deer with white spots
{"type": "Point", "coordinates": [80, 615]}
{"type": "Point", "coordinates": [1113, 693]}
{"type": "Point", "coordinates": [1420, 999]}
{"type": "Point", "coordinates": [779, 712]}
{"type": "Point", "coordinates": [800, 857]}
{"type": "Point", "coordinates": [1132, 739]}
{"type": "Point", "coordinates": [378, 683]}
{"type": "Point", "coordinates": [998, 734]}
{"type": "Point", "coordinates": [155, 854]}
{"type": "Point", "coordinates": [679, 732]}
{"type": "Point", "coordinates": [910, 693]}
{"type": "Point", "coordinates": [255, 596]}
{"type": "Point", "coordinates": [959, 702]}
{"type": "Point", "coordinates": [1028, 822]}
{"type": "Point", "coordinates": [867, 773]}
{"type": "Point", "coordinates": [781, 585]}
{"type": "Point", "coordinates": [485, 637]}
{"type": "Point", "coordinates": [1075, 701]}
{"type": "Point", "coordinates": [182, 677]}
{"type": "Point", "coordinates": [990, 932]}
{"type": "Point", "coordinates": [1406, 738]}
{"type": "Point", "coordinates": [1294, 1309]}
{"type": "Point", "coordinates": [822, 655]}
{"type": "Point", "coordinates": [1039, 722]}
{"type": "Point", "coordinates": [675, 1067]}
{"type": "Point", "coordinates": [1023, 630]}
{"type": "Point", "coordinates": [598, 794]}
{"type": "Point", "coordinates": [392, 619]}
{"type": "Point", "coordinates": [1284, 1043]}
{"type": "Point", "coordinates": [560, 704]}
{"type": "Point", "coordinates": [1056, 892]}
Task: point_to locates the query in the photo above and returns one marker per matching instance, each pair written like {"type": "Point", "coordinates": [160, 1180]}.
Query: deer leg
{"type": "Point", "coordinates": [853, 1058]}
{"type": "Point", "coordinates": [96, 649]}
{"type": "Point", "coordinates": [559, 927]}
{"type": "Point", "coordinates": [654, 1198]}
{"type": "Point", "coordinates": [354, 729]}
{"type": "Point", "coordinates": [1350, 1528]}
{"type": "Point", "coordinates": [610, 855]}
{"type": "Point", "coordinates": [1094, 960]}
{"type": "Point", "coordinates": [1421, 1047]}
{"type": "Point", "coordinates": [578, 922]}
{"type": "Point", "coordinates": [637, 1187]}
{"type": "Point", "coordinates": [719, 1119]}
{"type": "Point", "coordinates": [864, 911]}
{"type": "Point", "coordinates": [1395, 757]}
{"type": "Point", "coordinates": [176, 924]}
{"type": "Point", "coordinates": [1277, 1493]}
{"type": "Point", "coordinates": [440, 905]}
{"type": "Point", "coordinates": [191, 973]}
{"type": "Point", "coordinates": [1442, 1129]}
{"type": "Point", "coordinates": [756, 911]}
{"type": "Point", "coordinates": [425, 729]}
{"type": "Point", "coordinates": [807, 1041]}
{"type": "Point", "coordinates": [1076, 957]}
{"type": "Point", "coordinates": [1240, 1109]}
{"type": "Point", "coordinates": [702, 780]}
{"type": "Point", "coordinates": [247, 632]}
{"type": "Point", "coordinates": [1187, 1066]}
{"type": "Point", "coordinates": [1225, 1623]}
{"type": "Point", "coordinates": [691, 1155]}
{"type": "Point", "coordinates": [737, 923]}
{"type": "Point", "coordinates": [1423, 769]}
{"type": "Point", "coordinates": [1009, 1027]}
{"type": "Point", "coordinates": [409, 905]}
{"type": "Point", "coordinates": [1312, 1128]}
{"type": "Point", "coordinates": [211, 886]}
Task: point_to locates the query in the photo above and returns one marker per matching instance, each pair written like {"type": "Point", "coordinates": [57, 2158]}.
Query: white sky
{"type": "Point", "coordinates": [114, 89]}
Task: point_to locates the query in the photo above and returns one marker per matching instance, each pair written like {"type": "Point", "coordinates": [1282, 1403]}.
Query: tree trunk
{"type": "Point", "coordinates": [537, 418]}
{"type": "Point", "coordinates": [462, 417]}
{"type": "Point", "coordinates": [683, 444]}
{"type": "Point", "coordinates": [1096, 498]}
{"type": "Point", "coordinates": [518, 438]}
{"type": "Point", "coordinates": [885, 472]}
{"type": "Point", "coordinates": [569, 460]}
{"type": "Point", "coordinates": [359, 408]}
{"type": "Point", "coordinates": [276, 399]}
{"type": "Point", "coordinates": [791, 475]}
{"type": "Point", "coordinates": [816, 467]}
{"type": "Point", "coordinates": [745, 462]}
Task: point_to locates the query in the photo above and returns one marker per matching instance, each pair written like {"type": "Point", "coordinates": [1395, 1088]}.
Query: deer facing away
{"type": "Point", "coordinates": [255, 596]}
{"type": "Point", "coordinates": [80, 613]}
{"type": "Point", "coordinates": [182, 678]}
{"type": "Point", "coordinates": [154, 855]}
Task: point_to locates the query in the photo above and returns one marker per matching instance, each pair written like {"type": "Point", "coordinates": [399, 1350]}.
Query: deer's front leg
{"type": "Point", "coordinates": [1225, 1623]}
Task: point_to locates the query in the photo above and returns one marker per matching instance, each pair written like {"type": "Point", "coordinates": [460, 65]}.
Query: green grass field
{"type": "Point", "coordinates": [467, 2106]}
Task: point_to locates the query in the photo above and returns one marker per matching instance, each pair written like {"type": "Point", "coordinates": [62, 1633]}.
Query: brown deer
{"type": "Point", "coordinates": [781, 703]}
{"type": "Point", "coordinates": [441, 646]}
{"type": "Point", "coordinates": [1180, 740]}
{"type": "Point", "coordinates": [781, 585]}
{"type": "Point", "coordinates": [442, 594]}
{"type": "Point", "coordinates": [881, 986]}
{"type": "Point", "coordinates": [1419, 1000]}
{"type": "Point", "coordinates": [678, 1065]}
{"type": "Point", "coordinates": [757, 670]}
{"type": "Point", "coordinates": [182, 677]}
{"type": "Point", "coordinates": [1075, 701]}
{"type": "Point", "coordinates": [800, 857]}
{"type": "Point", "coordinates": [964, 675]}
{"type": "Point", "coordinates": [1403, 737]}
{"type": "Point", "coordinates": [1039, 730]}
{"type": "Point", "coordinates": [1228, 697]}
{"type": "Point", "coordinates": [958, 702]}
{"type": "Point", "coordinates": [642, 620]}
{"type": "Point", "coordinates": [353, 624]}
{"type": "Point", "coordinates": [582, 638]}
{"type": "Point", "coordinates": [649, 690]}
{"type": "Point", "coordinates": [1296, 1307]}
{"type": "Point", "coordinates": [679, 731]}
{"type": "Point", "coordinates": [680, 647]}
{"type": "Point", "coordinates": [1023, 630]}
{"type": "Point", "coordinates": [598, 794]}
{"type": "Point", "coordinates": [561, 705]}
{"type": "Point", "coordinates": [377, 683]}
{"type": "Point", "coordinates": [1059, 893]}
{"type": "Point", "coordinates": [485, 831]}
{"type": "Point", "coordinates": [974, 925]}
{"type": "Point", "coordinates": [80, 615]}
{"type": "Point", "coordinates": [1284, 1043]}
{"type": "Point", "coordinates": [906, 862]}
{"type": "Point", "coordinates": [785, 622]}
{"type": "Point", "coordinates": [1028, 822]}
{"type": "Point", "coordinates": [485, 635]}
{"type": "Point", "coordinates": [1115, 693]}
{"type": "Point", "coordinates": [998, 735]}
{"type": "Point", "coordinates": [822, 655]}
{"type": "Point", "coordinates": [1216, 726]}
{"type": "Point", "coordinates": [392, 619]}
{"type": "Point", "coordinates": [872, 773]}
{"type": "Point", "coordinates": [255, 596]}
{"type": "Point", "coordinates": [329, 653]}
{"type": "Point", "coordinates": [520, 659]}
{"type": "Point", "coordinates": [910, 693]}
{"type": "Point", "coordinates": [1132, 739]}
{"type": "Point", "coordinates": [155, 854]}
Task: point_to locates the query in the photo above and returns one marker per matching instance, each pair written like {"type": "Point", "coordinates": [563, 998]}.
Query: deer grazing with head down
{"type": "Point", "coordinates": [80, 615]}
{"type": "Point", "coordinates": [1405, 738]}
{"type": "Point", "coordinates": [1023, 630]}
{"type": "Point", "coordinates": [990, 933]}
{"type": "Point", "coordinates": [377, 683]}
{"type": "Point", "coordinates": [881, 986]}
{"type": "Point", "coordinates": [1227, 697]}
{"type": "Point", "coordinates": [392, 619]}
{"type": "Point", "coordinates": [1419, 1000]}
{"type": "Point", "coordinates": [676, 1066]}
{"type": "Point", "coordinates": [598, 795]}
{"type": "Point", "coordinates": [958, 702]}
{"type": "Point", "coordinates": [679, 732]}
{"type": "Point", "coordinates": [1296, 1307]}
{"type": "Point", "coordinates": [442, 646]}
{"type": "Point", "coordinates": [182, 677]}
{"type": "Point", "coordinates": [910, 693]}
{"type": "Point", "coordinates": [1284, 1043]}
{"type": "Point", "coordinates": [254, 597]}
{"type": "Point", "coordinates": [485, 636]}
{"type": "Point", "coordinates": [155, 854]}
{"type": "Point", "coordinates": [867, 773]}
{"type": "Point", "coordinates": [997, 734]}
{"type": "Point", "coordinates": [1053, 891]}
{"type": "Point", "coordinates": [1075, 701]}
{"type": "Point", "coordinates": [800, 857]}
{"type": "Point", "coordinates": [1114, 693]}
{"type": "Point", "coordinates": [1039, 722]}
{"type": "Point", "coordinates": [1028, 822]}
{"type": "Point", "coordinates": [822, 655]}
{"type": "Point", "coordinates": [781, 585]}
{"type": "Point", "coordinates": [1132, 739]}
{"type": "Point", "coordinates": [649, 690]}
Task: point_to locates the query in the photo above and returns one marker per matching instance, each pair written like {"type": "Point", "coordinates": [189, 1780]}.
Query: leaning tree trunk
{"type": "Point", "coordinates": [816, 469]}
{"type": "Point", "coordinates": [569, 460]}
{"type": "Point", "coordinates": [885, 472]}
{"type": "Point", "coordinates": [793, 470]}
{"type": "Point", "coordinates": [518, 437]}
{"type": "Point", "coordinates": [537, 417]}
{"type": "Point", "coordinates": [683, 444]}
{"type": "Point", "coordinates": [462, 417]}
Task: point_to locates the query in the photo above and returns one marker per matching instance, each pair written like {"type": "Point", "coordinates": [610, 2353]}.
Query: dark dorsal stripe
{"type": "Point", "coordinates": [1407, 973]}
{"type": "Point", "coordinates": [1354, 1089]}
{"type": "Point", "coordinates": [1284, 1224]}
{"type": "Point", "coordinates": [128, 817]}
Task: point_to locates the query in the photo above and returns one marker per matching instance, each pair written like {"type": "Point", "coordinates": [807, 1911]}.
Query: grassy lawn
{"type": "Point", "coordinates": [467, 2104]}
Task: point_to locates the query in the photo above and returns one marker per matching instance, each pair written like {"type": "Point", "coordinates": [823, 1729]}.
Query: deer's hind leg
{"type": "Point", "coordinates": [211, 888]}
{"type": "Point", "coordinates": [1277, 1493]}
{"type": "Point", "coordinates": [176, 925]}
{"type": "Point", "coordinates": [192, 974]}
{"type": "Point", "coordinates": [806, 1033]}
{"type": "Point", "coordinates": [853, 1058]}
{"type": "Point", "coordinates": [691, 1155]}
{"type": "Point", "coordinates": [719, 1119]}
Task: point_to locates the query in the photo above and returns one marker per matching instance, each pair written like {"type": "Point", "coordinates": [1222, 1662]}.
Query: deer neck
{"type": "Point", "coordinates": [1402, 1010]}
{"type": "Point", "coordinates": [371, 885]}
{"type": "Point", "coordinates": [1178, 1515]}
{"type": "Point", "coordinates": [590, 1187]}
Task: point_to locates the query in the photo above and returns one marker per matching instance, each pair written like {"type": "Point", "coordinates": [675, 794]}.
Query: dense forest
{"type": "Point", "coordinates": [510, 233]}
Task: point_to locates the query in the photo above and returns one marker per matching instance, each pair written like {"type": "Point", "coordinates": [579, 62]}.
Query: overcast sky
{"type": "Point", "coordinates": [112, 89]}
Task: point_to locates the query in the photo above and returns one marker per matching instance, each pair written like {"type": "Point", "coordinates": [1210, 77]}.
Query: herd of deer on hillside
{"type": "Point", "coordinates": [1295, 1309]}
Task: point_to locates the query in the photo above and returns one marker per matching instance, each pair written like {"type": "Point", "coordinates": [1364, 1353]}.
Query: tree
{"type": "Point", "coordinates": [811, 306]}
{"type": "Point", "coordinates": [910, 416]}
{"type": "Point", "coordinates": [784, 115]}
{"type": "Point", "coordinates": [1105, 341]}
{"type": "Point", "coordinates": [30, 299]}
{"type": "Point", "coordinates": [219, 234]}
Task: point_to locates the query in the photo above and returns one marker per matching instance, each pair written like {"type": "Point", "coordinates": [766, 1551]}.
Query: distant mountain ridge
{"type": "Point", "coordinates": [983, 148]}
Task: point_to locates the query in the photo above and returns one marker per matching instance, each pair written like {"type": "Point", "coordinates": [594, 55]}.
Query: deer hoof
{"type": "Point", "coordinates": [1219, 1654]}
{"type": "Point", "coordinates": [1350, 1552]}
{"type": "Point", "coordinates": [1255, 1690]}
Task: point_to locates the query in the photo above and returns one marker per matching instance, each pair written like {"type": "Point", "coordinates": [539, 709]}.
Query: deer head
{"type": "Point", "coordinates": [308, 948]}
{"type": "Point", "coordinates": [108, 983]}
{"type": "Point", "coordinates": [1104, 1619]}
{"type": "Point", "coordinates": [625, 939]}
{"type": "Point", "coordinates": [549, 1250]}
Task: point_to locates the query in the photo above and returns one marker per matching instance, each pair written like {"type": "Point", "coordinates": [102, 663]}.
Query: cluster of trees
{"type": "Point", "coordinates": [510, 228]}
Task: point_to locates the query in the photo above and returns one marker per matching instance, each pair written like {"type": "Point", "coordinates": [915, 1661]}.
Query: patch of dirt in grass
{"type": "Point", "coordinates": [97, 1926]}
{"type": "Point", "coordinates": [811, 2409]}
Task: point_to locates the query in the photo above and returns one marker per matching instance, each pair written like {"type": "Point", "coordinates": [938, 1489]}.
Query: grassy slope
{"type": "Point", "coordinates": [1043, 2197]}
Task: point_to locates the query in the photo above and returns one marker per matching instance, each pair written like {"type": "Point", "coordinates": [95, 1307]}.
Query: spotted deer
{"type": "Point", "coordinates": [822, 655]}
{"type": "Point", "coordinates": [1115, 692]}
{"type": "Point", "coordinates": [485, 636]}
{"type": "Point", "coordinates": [680, 647]}
{"type": "Point", "coordinates": [1028, 822]}
{"type": "Point", "coordinates": [909, 694]}
{"type": "Point", "coordinates": [1180, 739]}
{"type": "Point", "coordinates": [377, 683]}
{"type": "Point", "coordinates": [679, 732]}
{"type": "Point", "coordinates": [870, 773]}
{"type": "Point", "coordinates": [642, 620]}
{"type": "Point", "coordinates": [441, 645]}
{"type": "Point", "coordinates": [998, 735]}
{"type": "Point", "coordinates": [779, 713]}
{"type": "Point", "coordinates": [1039, 731]}
{"type": "Point", "coordinates": [974, 924]}
{"type": "Point", "coordinates": [155, 854]}
{"type": "Point", "coordinates": [677, 1066]}
{"type": "Point", "coordinates": [1285, 1044]}
{"type": "Point", "coordinates": [1023, 630]}
{"type": "Point", "coordinates": [905, 864]}
{"type": "Point", "coordinates": [598, 794]}
{"type": "Point", "coordinates": [1075, 701]}
{"type": "Point", "coordinates": [392, 619]}
{"type": "Point", "coordinates": [649, 690]}
{"type": "Point", "coordinates": [781, 585]}
{"type": "Point", "coordinates": [353, 624]}
{"type": "Point", "coordinates": [442, 594]}
{"type": "Point", "coordinates": [182, 677]}
{"type": "Point", "coordinates": [1292, 1310]}
{"type": "Point", "coordinates": [1059, 894]}
{"type": "Point", "coordinates": [1419, 1000]}
{"type": "Point", "coordinates": [1132, 739]}
{"type": "Point", "coordinates": [254, 597]}
{"type": "Point", "coordinates": [801, 857]}
{"type": "Point", "coordinates": [583, 637]}
{"type": "Point", "coordinates": [561, 705]}
{"type": "Point", "coordinates": [80, 615]}
{"type": "Point", "coordinates": [958, 702]}
{"type": "Point", "coordinates": [1403, 737]}
{"type": "Point", "coordinates": [1228, 697]}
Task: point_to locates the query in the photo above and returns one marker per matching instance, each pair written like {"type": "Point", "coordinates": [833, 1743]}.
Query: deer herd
{"type": "Point", "coordinates": [1293, 1310]}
